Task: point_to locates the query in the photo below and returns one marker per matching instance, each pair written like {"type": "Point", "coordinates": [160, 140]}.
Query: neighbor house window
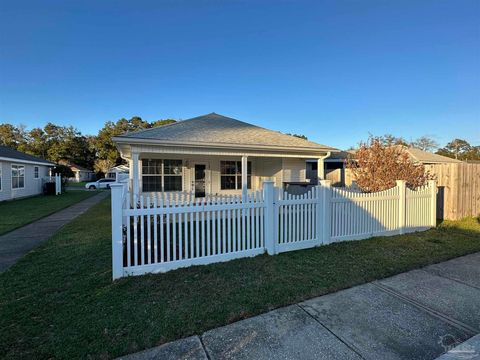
{"type": "Point", "coordinates": [161, 175]}
{"type": "Point", "coordinates": [231, 175]}
{"type": "Point", "coordinates": [18, 176]}
{"type": "Point", "coordinates": [35, 172]}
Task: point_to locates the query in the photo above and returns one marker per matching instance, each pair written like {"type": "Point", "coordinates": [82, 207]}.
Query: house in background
{"type": "Point", "coordinates": [21, 174]}
{"type": "Point", "coordinates": [340, 176]}
{"type": "Point", "coordinates": [118, 172]}
{"type": "Point", "coordinates": [81, 174]}
{"type": "Point", "coordinates": [216, 155]}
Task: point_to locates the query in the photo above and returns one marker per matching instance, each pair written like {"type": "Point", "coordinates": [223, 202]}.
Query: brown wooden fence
{"type": "Point", "coordinates": [458, 190]}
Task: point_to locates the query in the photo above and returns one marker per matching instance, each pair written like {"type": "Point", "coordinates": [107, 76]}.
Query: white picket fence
{"type": "Point", "coordinates": [162, 233]}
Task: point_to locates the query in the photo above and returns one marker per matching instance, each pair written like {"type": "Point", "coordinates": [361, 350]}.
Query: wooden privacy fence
{"type": "Point", "coordinates": [158, 234]}
{"type": "Point", "coordinates": [458, 190]}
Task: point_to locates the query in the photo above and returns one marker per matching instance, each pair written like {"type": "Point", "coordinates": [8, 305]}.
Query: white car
{"type": "Point", "coordinates": [99, 184]}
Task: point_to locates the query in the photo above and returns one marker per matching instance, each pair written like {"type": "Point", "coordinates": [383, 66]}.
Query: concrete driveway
{"type": "Point", "coordinates": [420, 314]}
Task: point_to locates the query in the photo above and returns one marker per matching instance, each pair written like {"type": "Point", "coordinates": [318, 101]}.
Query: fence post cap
{"type": "Point", "coordinates": [116, 185]}
{"type": "Point", "coordinates": [400, 182]}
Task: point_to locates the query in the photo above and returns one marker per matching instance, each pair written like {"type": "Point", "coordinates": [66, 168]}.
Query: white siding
{"type": "Point", "coordinates": [294, 170]}
{"type": "Point", "coordinates": [263, 168]}
{"type": "Point", "coordinates": [32, 186]}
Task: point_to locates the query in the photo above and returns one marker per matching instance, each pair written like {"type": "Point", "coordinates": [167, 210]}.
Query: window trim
{"type": "Point", "coordinates": [162, 175]}
{"type": "Point", "coordinates": [11, 176]}
{"type": "Point", "coordinates": [36, 172]}
{"type": "Point", "coordinates": [237, 174]}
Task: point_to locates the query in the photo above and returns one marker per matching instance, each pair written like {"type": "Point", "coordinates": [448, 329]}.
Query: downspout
{"type": "Point", "coordinates": [321, 167]}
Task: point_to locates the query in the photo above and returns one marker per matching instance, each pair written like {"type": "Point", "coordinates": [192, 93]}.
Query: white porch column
{"type": "Point", "coordinates": [320, 169]}
{"type": "Point", "coordinates": [244, 177]}
{"type": "Point", "coordinates": [135, 176]}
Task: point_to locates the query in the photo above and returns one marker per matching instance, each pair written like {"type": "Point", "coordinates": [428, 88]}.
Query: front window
{"type": "Point", "coordinates": [35, 172]}
{"type": "Point", "coordinates": [161, 175]}
{"type": "Point", "coordinates": [18, 176]}
{"type": "Point", "coordinates": [231, 175]}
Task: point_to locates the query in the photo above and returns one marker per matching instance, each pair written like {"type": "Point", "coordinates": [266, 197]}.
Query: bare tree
{"type": "Point", "coordinates": [425, 143]}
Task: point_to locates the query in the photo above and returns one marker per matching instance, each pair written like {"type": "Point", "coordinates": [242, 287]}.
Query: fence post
{"type": "Point", "coordinates": [402, 201]}
{"type": "Point", "coordinates": [270, 223]}
{"type": "Point", "coordinates": [58, 184]}
{"type": "Point", "coordinates": [117, 230]}
{"type": "Point", "coordinates": [319, 214]}
{"type": "Point", "coordinates": [326, 195]}
{"type": "Point", "coordinates": [433, 188]}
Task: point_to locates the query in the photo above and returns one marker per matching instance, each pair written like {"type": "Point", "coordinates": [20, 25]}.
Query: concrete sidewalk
{"type": "Point", "coordinates": [420, 314]}
{"type": "Point", "coordinates": [15, 244]}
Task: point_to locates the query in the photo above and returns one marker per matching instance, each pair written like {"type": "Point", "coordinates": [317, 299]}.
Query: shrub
{"type": "Point", "coordinates": [377, 166]}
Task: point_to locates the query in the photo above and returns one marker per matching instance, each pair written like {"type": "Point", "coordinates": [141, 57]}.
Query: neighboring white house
{"type": "Point", "coordinates": [208, 155]}
{"type": "Point", "coordinates": [21, 174]}
{"type": "Point", "coordinates": [80, 173]}
{"type": "Point", "coordinates": [118, 172]}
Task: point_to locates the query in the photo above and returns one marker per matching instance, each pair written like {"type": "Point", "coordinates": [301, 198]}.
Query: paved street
{"type": "Point", "coordinates": [420, 314]}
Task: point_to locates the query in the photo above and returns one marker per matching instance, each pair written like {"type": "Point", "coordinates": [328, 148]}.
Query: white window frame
{"type": "Point", "coordinates": [162, 174]}
{"type": "Point", "coordinates": [19, 166]}
{"type": "Point", "coordinates": [237, 175]}
{"type": "Point", "coordinates": [36, 172]}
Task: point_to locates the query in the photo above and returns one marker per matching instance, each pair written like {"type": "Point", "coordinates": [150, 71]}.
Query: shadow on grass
{"type": "Point", "coordinates": [59, 301]}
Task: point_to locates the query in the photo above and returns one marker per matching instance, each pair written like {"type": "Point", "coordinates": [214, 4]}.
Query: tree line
{"type": "Point", "coordinates": [67, 144]}
{"type": "Point", "coordinates": [456, 149]}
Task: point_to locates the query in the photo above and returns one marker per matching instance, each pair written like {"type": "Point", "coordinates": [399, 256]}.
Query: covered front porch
{"type": "Point", "coordinates": [158, 171]}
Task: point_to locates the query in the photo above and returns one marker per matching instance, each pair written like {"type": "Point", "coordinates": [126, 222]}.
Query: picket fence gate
{"type": "Point", "coordinates": [153, 234]}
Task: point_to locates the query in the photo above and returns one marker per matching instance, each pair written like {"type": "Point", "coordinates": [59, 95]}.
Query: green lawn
{"type": "Point", "coordinates": [17, 213]}
{"type": "Point", "coordinates": [77, 184]}
{"type": "Point", "coordinates": [59, 301]}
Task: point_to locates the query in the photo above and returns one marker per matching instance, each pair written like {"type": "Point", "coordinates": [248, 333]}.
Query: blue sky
{"type": "Point", "coordinates": [333, 70]}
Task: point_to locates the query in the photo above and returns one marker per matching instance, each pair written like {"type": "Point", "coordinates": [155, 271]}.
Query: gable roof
{"type": "Point", "coordinates": [214, 129]}
{"type": "Point", "coordinates": [7, 153]}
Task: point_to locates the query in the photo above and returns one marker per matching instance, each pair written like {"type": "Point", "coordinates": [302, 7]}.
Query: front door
{"type": "Point", "coordinates": [199, 181]}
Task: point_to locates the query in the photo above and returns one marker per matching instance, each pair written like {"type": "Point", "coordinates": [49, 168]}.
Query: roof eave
{"type": "Point", "coordinates": [139, 141]}
{"type": "Point", "coordinates": [15, 160]}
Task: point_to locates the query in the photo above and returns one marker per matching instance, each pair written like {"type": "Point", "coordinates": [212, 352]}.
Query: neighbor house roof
{"type": "Point", "coordinates": [73, 166]}
{"type": "Point", "coordinates": [214, 129]}
{"type": "Point", "coordinates": [426, 157]}
{"type": "Point", "coordinates": [9, 154]}
{"type": "Point", "coordinates": [417, 155]}
{"type": "Point", "coordinates": [119, 168]}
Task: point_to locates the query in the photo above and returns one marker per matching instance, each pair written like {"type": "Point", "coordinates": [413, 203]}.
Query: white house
{"type": "Point", "coordinates": [209, 155]}
{"type": "Point", "coordinates": [21, 174]}
{"type": "Point", "coordinates": [80, 173]}
{"type": "Point", "coordinates": [118, 172]}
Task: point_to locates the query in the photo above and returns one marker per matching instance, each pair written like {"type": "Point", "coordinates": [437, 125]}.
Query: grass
{"type": "Point", "coordinates": [77, 184]}
{"type": "Point", "coordinates": [17, 213]}
{"type": "Point", "coordinates": [59, 300]}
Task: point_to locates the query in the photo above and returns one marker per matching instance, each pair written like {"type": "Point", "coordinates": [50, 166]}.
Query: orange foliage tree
{"type": "Point", "coordinates": [376, 167]}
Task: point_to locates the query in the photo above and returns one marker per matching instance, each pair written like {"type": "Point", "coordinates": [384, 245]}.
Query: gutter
{"type": "Point", "coordinates": [127, 140]}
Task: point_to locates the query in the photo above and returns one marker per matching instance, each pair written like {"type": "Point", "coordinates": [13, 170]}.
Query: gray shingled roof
{"type": "Point", "coordinates": [217, 129]}
{"type": "Point", "coordinates": [426, 157]}
{"type": "Point", "coordinates": [7, 152]}
{"type": "Point", "coordinates": [421, 156]}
